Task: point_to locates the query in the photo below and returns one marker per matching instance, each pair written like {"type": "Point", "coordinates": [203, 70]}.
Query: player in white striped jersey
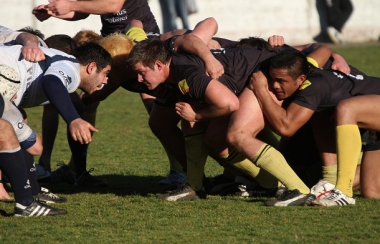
{"type": "Point", "coordinates": [17, 135]}
{"type": "Point", "coordinates": [52, 79]}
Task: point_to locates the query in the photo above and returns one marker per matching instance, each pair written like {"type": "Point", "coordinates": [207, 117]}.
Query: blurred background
{"type": "Point", "coordinates": [299, 21]}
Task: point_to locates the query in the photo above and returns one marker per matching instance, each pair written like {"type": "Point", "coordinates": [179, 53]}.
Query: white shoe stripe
{"type": "Point", "coordinates": [176, 197]}
{"type": "Point", "coordinates": [35, 211]}
{"type": "Point", "coordinates": [46, 212]}
{"type": "Point", "coordinates": [41, 211]}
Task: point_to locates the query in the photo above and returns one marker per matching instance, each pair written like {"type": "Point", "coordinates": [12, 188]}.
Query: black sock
{"type": "Point", "coordinates": [32, 175]}
{"type": "Point", "coordinates": [79, 154]}
{"type": "Point", "coordinates": [13, 166]}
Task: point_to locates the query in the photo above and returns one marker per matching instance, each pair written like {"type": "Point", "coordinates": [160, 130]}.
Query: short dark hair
{"type": "Point", "coordinates": [148, 52]}
{"type": "Point", "coordinates": [92, 52]}
{"type": "Point", "coordinates": [61, 42]}
{"type": "Point", "coordinates": [292, 60]}
{"type": "Point", "coordinates": [254, 42]}
{"type": "Point", "coordinates": [33, 31]}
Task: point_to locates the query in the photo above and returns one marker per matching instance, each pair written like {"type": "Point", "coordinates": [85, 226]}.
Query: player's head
{"type": "Point", "coordinates": [92, 52]}
{"type": "Point", "coordinates": [147, 52]}
{"type": "Point", "coordinates": [61, 42]}
{"type": "Point", "coordinates": [95, 64]}
{"type": "Point", "coordinates": [287, 71]}
{"type": "Point", "coordinates": [9, 82]}
{"type": "Point", "coordinates": [150, 60]}
{"type": "Point", "coordinates": [254, 42]}
{"type": "Point", "coordinates": [84, 36]}
{"type": "Point", "coordinates": [119, 46]}
{"type": "Point", "coordinates": [294, 61]}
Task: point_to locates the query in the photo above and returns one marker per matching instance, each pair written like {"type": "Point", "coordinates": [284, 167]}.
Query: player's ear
{"type": "Point", "coordinates": [301, 79]}
{"type": "Point", "coordinates": [91, 68]}
{"type": "Point", "coordinates": [159, 65]}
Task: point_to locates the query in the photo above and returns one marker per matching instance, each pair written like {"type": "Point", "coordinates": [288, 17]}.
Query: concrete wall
{"type": "Point", "coordinates": [297, 20]}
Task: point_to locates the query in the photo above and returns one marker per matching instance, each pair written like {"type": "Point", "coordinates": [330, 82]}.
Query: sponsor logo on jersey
{"type": "Point", "coordinates": [65, 77]}
{"type": "Point", "coordinates": [20, 125]}
{"type": "Point", "coordinates": [305, 84]}
{"type": "Point", "coordinates": [183, 86]}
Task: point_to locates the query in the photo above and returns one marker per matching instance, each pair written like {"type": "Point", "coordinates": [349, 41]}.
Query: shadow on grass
{"type": "Point", "coordinates": [120, 185]}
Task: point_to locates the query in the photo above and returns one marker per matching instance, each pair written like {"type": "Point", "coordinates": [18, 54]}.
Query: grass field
{"type": "Point", "coordinates": [126, 154]}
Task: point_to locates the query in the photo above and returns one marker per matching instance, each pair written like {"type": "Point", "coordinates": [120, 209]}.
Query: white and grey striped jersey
{"type": "Point", "coordinates": [56, 63]}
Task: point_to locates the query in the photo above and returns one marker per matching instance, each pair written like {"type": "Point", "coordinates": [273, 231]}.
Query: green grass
{"type": "Point", "coordinates": [129, 157]}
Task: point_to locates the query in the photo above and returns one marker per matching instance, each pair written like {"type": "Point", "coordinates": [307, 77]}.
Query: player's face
{"type": "Point", "coordinates": [282, 84]}
{"type": "Point", "coordinates": [96, 80]}
{"type": "Point", "coordinates": [150, 77]}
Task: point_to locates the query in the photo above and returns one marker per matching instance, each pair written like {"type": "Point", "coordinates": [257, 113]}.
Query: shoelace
{"type": "Point", "coordinates": [48, 193]}
{"type": "Point", "coordinates": [334, 195]}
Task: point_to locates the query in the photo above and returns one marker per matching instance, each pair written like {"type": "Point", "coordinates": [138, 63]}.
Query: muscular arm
{"type": "Point", "coordinates": [220, 101]}
{"type": "Point", "coordinates": [321, 53]}
{"type": "Point", "coordinates": [285, 122]}
{"type": "Point", "coordinates": [63, 7]}
{"type": "Point", "coordinates": [196, 43]}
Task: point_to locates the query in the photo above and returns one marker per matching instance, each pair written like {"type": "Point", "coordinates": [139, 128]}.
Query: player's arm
{"type": "Point", "coordinates": [30, 50]}
{"type": "Point", "coordinates": [285, 122]}
{"type": "Point", "coordinates": [42, 13]}
{"type": "Point", "coordinates": [63, 7]}
{"type": "Point", "coordinates": [196, 43]}
{"type": "Point", "coordinates": [58, 96]}
{"type": "Point", "coordinates": [220, 101]}
{"type": "Point", "coordinates": [315, 49]}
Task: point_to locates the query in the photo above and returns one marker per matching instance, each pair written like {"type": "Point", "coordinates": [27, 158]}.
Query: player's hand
{"type": "Point", "coordinates": [185, 111]}
{"type": "Point", "coordinates": [32, 53]}
{"type": "Point", "coordinates": [214, 68]}
{"type": "Point", "coordinates": [59, 7]}
{"type": "Point", "coordinates": [276, 41]}
{"type": "Point", "coordinates": [258, 81]}
{"type": "Point", "coordinates": [41, 12]}
{"type": "Point", "coordinates": [339, 63]}
{"type": "Point", "coordinates": [80, 130]}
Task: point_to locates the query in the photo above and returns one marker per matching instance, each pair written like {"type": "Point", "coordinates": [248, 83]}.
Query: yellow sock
{"type": "Point", "coordinates": [174, 164]}
{"type": "Point", "coordinates": [272, 161]}
{"type": "Point", "coordinates": [329, 173]}
{"type": "Point", "coordinates": [243, 166]}
{"type": "Point", "coordinates": [196, 153]}
{"type": "Point", "coordinates": [348, 150]}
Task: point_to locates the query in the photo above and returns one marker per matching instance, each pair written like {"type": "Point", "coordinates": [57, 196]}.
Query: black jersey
{"type": "Point", "coordinates": [239, 63]}
{"type": "Point", "coordinates": [132, 9]}
{"type": "Point", "coordinates": [325, 89]}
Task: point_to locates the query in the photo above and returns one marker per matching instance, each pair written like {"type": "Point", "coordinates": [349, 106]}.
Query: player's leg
{"type": "Point", "coordinates": [323, 127]}
{"type": "Point", "coordinates": [50, 120]}
{"type": "Point", "coordinates": [352, 113]}
{"type": "Point", "coordinates": [233, 161]}
{"type": "Point", "coordinates": [163, 121]}
{"type": "Point", "coordinates": [369, 173]}
{"type": "Point", "coordinates": [245, 124]}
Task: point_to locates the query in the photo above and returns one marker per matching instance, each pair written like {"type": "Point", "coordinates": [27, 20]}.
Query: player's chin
{"type": "Point", "coordinates": [280, 96]}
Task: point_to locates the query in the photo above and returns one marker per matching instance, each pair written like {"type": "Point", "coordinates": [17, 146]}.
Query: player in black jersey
{"type": "Point", "coordinates": [307, 91]}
